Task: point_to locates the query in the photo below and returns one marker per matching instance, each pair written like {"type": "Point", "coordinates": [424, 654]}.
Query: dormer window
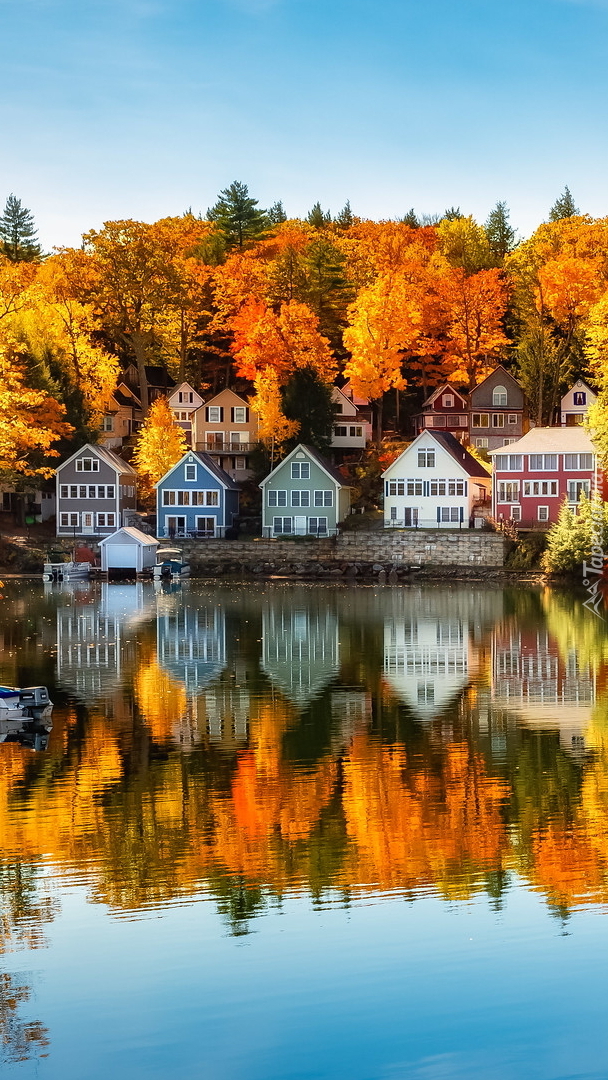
{"type": "Point", "coordinates": [499, 396]}
{"type": "Point", "coordinates": [448, 401]}
{"type": "Point", "coordinates": [580, 398]}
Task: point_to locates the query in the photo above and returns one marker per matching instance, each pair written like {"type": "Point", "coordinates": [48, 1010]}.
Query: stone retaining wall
{"type": "Point", "coordinates": [351, 553]}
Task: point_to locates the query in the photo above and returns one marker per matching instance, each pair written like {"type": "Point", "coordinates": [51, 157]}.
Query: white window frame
{"type": "Point", "coordinates": [300, 497]}
{"type": "Point", "coordinates": [545, 515]}
{"type": "Point", "coordinates": [93, 461]}
{"type": "Point", "coordinates": [190, 471]}
{"type": "Point", "coordinates": [503, 496]}
{"type": "Point", "coordinates": [300, 470]}
{"type": "Point", "coordinates": [325, 497]}
{"type": "Point", "coordinates": [240, 419]}
{"type": "Point", "coordinates": [498, 420]}
{"type": "Point", "coordinates": [534, 488]}
{"type": "Point", "coordinates": [577, 480]}
{"type": "Point", "coordinates": [481, 444]}
{"type": "Point", "coordinates": [514, 463]}
{"type": "Point", "coordinates": [212, 417]}
{"type": "Point", "coordinates": [277, 497]}
{"type": "Point", "coordinates": [73, 523]}
{"type": "Point", "coordinates": [499, 397]}
{"type": "Point", "coordinates": [481, 420]}
{"type": "Point", "coordinates": [317, 526]}
{"type": "Point", "coordinates": [282, 531]}
{"type": "Point", "coordinates": [512, 418]}
{"type": "Point", "coordinates": [103, 523]}
{"type": "Point", "coordinates": [426, 459]}
{"type": "Point", "coordinates": [447, 401]}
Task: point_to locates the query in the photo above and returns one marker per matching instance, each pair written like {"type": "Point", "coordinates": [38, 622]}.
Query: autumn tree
{"type": "Point", "coordinates": [543, 366]}
{"type": "Point", "coordinates": [274, 428]}
{"type": "Point", "coordinates": [18, 236]}
{"type": "Point", "coordinates": [283, 341]}
{"type": "Point", "coordinates": [237, 216]}
{"type": "Point", "coordinates": [32, 421]}
{"type": "Point", "coordinates": [161, 443]}
{"type": "Point", "coordinates": [474, 306]}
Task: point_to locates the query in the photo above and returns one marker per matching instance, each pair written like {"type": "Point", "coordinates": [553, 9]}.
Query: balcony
{"type": "Point", "coordinates": [215, 447]}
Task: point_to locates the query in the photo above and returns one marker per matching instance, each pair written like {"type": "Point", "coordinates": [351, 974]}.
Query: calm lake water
{"type": "Point", "coordinates": [290, 832]}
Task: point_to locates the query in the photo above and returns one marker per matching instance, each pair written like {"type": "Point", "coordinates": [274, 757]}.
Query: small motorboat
{"type": "Point", "coordinates": [25, 716]}
{"type": "Point", "coordinates": [66, 571]}
{"type": "Point", "coordinates": [170, 564]}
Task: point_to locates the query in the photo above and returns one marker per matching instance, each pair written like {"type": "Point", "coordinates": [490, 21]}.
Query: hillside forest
{"type": "Point", "coordinates": [252, 299]}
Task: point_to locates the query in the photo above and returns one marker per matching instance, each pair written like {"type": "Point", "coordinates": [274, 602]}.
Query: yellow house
{"type": "Point", "coordinates": [227, 428]}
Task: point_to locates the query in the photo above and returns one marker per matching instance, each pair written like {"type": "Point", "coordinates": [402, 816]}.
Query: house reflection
{"type": "Point", "coordinates": [300, 646]}
{"type": "Point", "coordinates": [96, 634]}
{"type": "Point", "coordinates": [191, 640]}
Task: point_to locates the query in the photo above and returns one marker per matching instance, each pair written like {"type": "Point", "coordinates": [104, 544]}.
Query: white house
{"type": "Point", "coordinates": [575, 403]}
{"type": "Point", "coordinates": [434, 483]}
{"type": "Point", "coordinates": [351, 430]}
{"type": "Point", "coordinates": [184, 400]}
{"type": "Point", "coordinates": [128, 549]}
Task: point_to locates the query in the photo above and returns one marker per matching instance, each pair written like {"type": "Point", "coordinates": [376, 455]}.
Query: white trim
{"type": "Point", "coordinates": [301, 449]}
{"type": "Point", "coordinates": [192, 454]}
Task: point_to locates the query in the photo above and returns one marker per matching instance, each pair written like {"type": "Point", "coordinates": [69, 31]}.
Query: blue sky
{"type": "Point", "coordinates": [142, 108]}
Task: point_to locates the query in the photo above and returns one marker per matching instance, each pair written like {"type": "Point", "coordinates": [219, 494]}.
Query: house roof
{"type": "Point", "coordinates": [317, 458]}
{"type": "Point", "coordinates": [129, 400]}
{"type": "Point", "coordinates": [135, 534]}
{"type": "Point", "coordinates": [453, 447]}
{"type": "Point", "coordinates": [556, 440]}
{"type": "Point", "coordinates": [110, 458]}
{"type": "Point", "coordinates": [180, 386]}
{"type": "Point", "coordinates": [209, 464]}
{"type": "Point", "coordinates": [227, 390]}
{"type": "Point", "coordinates": [504, 371]}
{"type": "Point", "coordinates": [580, 382]}
{"type": "Point", "coordinates": [348, 392]}
{"type": "Point", "coordinates": [441, 390]}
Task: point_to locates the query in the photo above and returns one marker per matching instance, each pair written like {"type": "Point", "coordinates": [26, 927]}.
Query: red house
{"type": "Point", "coordinates": [446, 409]}
{"type": "Point", "coordinates": [534, 475]}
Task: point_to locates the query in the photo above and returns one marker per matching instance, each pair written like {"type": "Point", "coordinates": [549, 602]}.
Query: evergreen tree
{"type": "Point", "coordinates": [325, 288]}
{"type": "Point", "coordinates": [276, 214]}
{"type": "Point", "coordinates": [411, 219]}
{"type": "Point", "coordinates": [18, 236]}
{"type": "Point", "coordinates": [237, 216]}
{"type": "Point", "coordinates": [307, 399]}
{"type": "Point", "coordinates": [563, 207]}
{"type": "Point", "coordinates": [544, 366]}
{"type": "Point", "coordinates": [452, 214]}
{"type": "Point", "coordinates": [571, 540]}
{"type": "Point", "coordinates": [318, 217]}
{"type": "Point", "coordinates": [499, 231]}
{"type": "Point", "coordinates": [345, 218]}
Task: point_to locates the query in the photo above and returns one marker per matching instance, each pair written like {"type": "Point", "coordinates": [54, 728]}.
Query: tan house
{"type": "Point", "coordinates": [227, 429]}
{"type": "Point", "coordinates": [122, 419]}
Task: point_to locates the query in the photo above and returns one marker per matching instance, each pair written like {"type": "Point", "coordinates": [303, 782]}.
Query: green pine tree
{"type": "Point", "coordinates": [563, 207]}
{"type": "Point", "coordinates": [307, 399]}
{"type": "Point", "coordinates": [411, 219]}
{"type": "Point", "coordinates": [452, 214]}
{"type": "Point", "coordinates": [500, 233]}
{"type": "Point", "coordinates": [345, 218]}
{"type": "Point", "coordinates": [325, 288]}
{"type": "Point", "coordinates": [318, 217]}
{"type": "Point", "coordinates": [237, 216]}
{"type": "Point", "coordinates": [571, 540]}
{"type": "Point", "coordinates": [18, 235]}
{"type": "Point", "coordinates": [276, 214]}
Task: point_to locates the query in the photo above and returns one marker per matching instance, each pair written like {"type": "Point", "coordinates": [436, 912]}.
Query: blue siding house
{"type": "Point", "coordinates": [196, 498]}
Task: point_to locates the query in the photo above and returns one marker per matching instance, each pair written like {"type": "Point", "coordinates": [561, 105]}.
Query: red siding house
{"type": "Point", "coordinates": [445, 410]}
{"type": "Point", "coordinates": [534, 475]}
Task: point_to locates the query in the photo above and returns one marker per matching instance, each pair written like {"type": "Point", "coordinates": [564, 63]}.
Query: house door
{"type": "Point", "coordinates": [300, 526]}
{"type": "Point", "coordinates": [175, 526]}
{"type": "Point", "coordinates": [410, 516]}
{"type": "Point", "coordinates": [88, 525]}
{"type": "Point", "coordinates": [205, 526]}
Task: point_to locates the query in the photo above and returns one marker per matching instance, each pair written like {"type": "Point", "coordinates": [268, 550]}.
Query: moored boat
{"type": "Point", "coordinates": [25, 715]}
{"type": "Point", "coordinates": [170, 563]}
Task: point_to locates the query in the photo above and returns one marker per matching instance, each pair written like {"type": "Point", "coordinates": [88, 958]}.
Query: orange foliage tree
{"type": "Point", "coordinates": [160, 444]}
{"type": "Point", "coordinates": [31, 421]}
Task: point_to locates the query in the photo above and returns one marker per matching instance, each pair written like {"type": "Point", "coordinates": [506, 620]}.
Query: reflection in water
{"type": "Point", "coordinates": [248, 743]}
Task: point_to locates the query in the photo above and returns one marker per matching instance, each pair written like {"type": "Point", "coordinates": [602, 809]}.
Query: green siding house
{"type": "Point", "coordinates": [304, 496]}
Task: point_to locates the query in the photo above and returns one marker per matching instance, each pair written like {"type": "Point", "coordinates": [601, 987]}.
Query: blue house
{"type": "Point", "coordinates": [196, 498]}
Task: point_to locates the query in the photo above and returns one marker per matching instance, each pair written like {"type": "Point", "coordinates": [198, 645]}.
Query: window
{"type": "Point", "coordinates": [239, 414]}
{"type": "Point", "coordinates": [326, 498]}
{"type": "Point", "coordinates": [580, 398]}
{"type": "Point", "coordinates": [508, 491]}
{"type": "Point", "coordinates": [543, 513]}
{"type": "Point", "coordinates": [450, 513]}
{"type": "Point", "coordinates": [183, 498]}
{"type": "Point", "coordinates": [543, 461]}
{"type": "Point", "coordinates": [73, 491]}
{"type": "Point", "coordinates": [499, 396]}
{"type": "Point", "coordinates": [414, 487]}
{"type": "Point", "coordinates": [426, 459]}
{"type": "Point", "coordinates": [240, 463]}
{"type": "Point", "coordinates": [281, 525]}
{"type": "Point", "coordinates": [394, 487]}
{"type": "Point", "coordinates": [205, 498]}
{"type": "Point", "coordinates": [215, 414]}
{"type": "Point", "coordinates": [69, 521]}
{"type": "Point", "coordinates": [87, 464]}
{"type": "Point", "coordinates": [190, 472]}
{"type": "Point", "coordinates": [481, 444]}
{"type": "Point", "coordinates": [462, 421]}
{"type": "Point", "coordinates": [317, 526]}
{"type": "Point", "coordinates": [578, 461]}
{"type": "Point", "coordinates": [277, 498]}
{"type": "Point", "coordinates": [575, 487]}
{"type": "Point", "coordinates": [355, 432]}
{"type": "Point", "coordinates": [300, 470]}
{"type": "Point", "coordinates": [168, 498]}
{"type": "Point", "coordinates": [300, 498]}
{"type": "Point", "coordinates": [507, 442]}
{"type": "Point", "coordinates": [63, 491]}
{"type": "Point", "coordinates": [92, 491]}
{"type": "Point", "coordinates": [516, 513]}
{"type": "Point", "coordinates": [540, 487]}
{"type": "Point", "coordinates": [111, 491]}
{"type": "Point", "coordinates": [393, 513]}
{"type": "Point", "coordinates": [339, 407]}
{"type": "Point", "coordinates": [107, 423]}
{"type": "Point", "coordinates": [106, 521]}
{"type": "Point", "coordinates": [512, 418]}
{"type": "Point", "coordinates": [457, 487]}
{"type": "Point", "coordinates": [448, 401]}
{"type": "Point", "coordinates": [481, 419]}
{"type": "Point", "coordinates": [437, 487]}
{"type": "Point", "coordinates": [340, 432]}
{"type": "Point", "coordinates": [508, 462]}
{"type": "Point", "coordinates": [498, 419]}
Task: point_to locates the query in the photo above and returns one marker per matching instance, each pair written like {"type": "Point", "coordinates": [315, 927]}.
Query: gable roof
{"type": "Point", "coordinates": [452, 446]}
{"type": "Point", "coordinates": [135, 534]}
{"type": "Point", "coordinates": [348, 392]}
{"type": "Point", "coordinates": [441, 390]}
{"type": "Point", "coordinates": [227, 390]}
{"type": "Point", "coordinates": [180, 386]}
{"type": "Point", "coordinates": [580, 382]}
{"type": "Point", "coordinates": [504, 372]}
{"type": "Point", "coordinates": [317, 458]}
{"type": "Point", "coordinates": [556, 440]}
{"type": "Point", "coordinates": [113, 460]}
{"type": "Point", "coordinates": [208, 463]}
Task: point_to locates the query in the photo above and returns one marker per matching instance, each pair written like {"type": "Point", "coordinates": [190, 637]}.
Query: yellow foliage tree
{"type": "Point", "coordinates": [31, 421]}
{"type": "Point", "coordinates": [160, 444]}
{"type": "Point", "coordinates": [273, 424]}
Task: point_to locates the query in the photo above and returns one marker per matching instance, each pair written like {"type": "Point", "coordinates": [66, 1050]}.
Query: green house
{"type": "Point", "coordinates": [304, 496]}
